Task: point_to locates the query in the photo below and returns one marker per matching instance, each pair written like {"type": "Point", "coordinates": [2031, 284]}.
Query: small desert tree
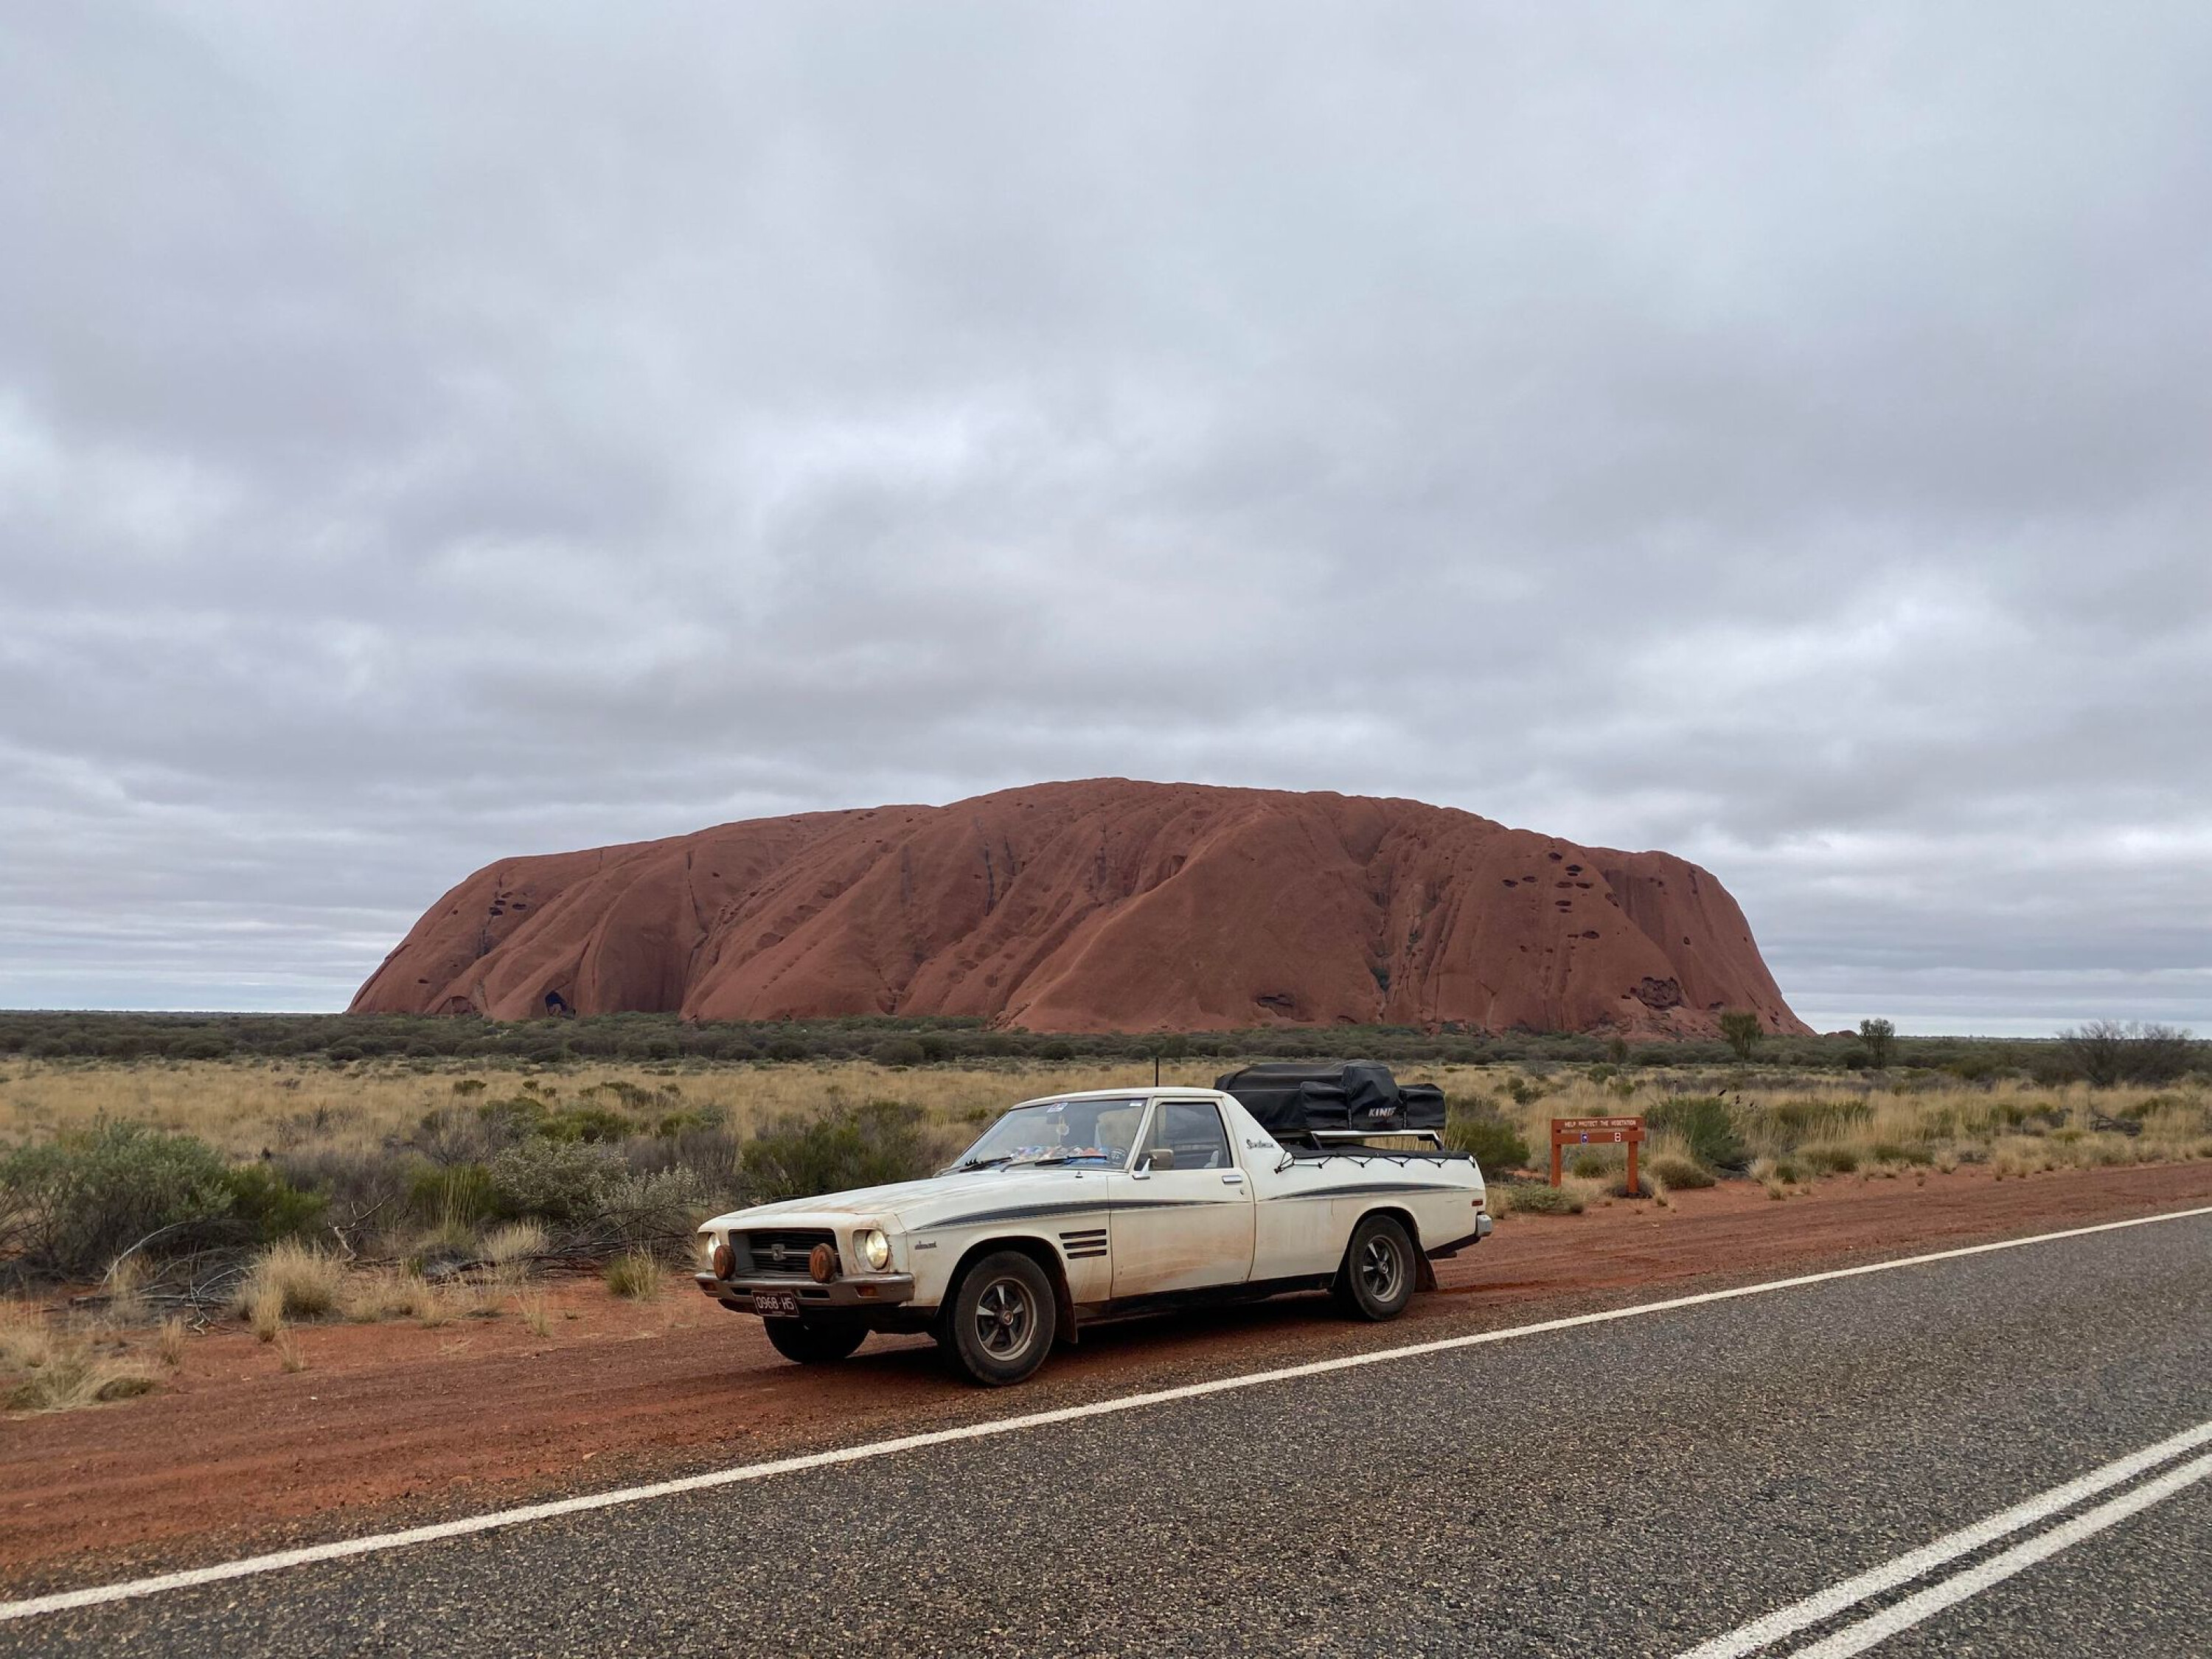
{"type": "Point", "coordinates": [1877, 1035]}
{"type": "Point", "coordinates": [2107, 1051]}
{"type": "Point", "coordinates": [1742, 1029]}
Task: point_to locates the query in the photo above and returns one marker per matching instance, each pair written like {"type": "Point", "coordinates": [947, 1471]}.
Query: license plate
{"type": "Point", "coordinates": [775, 1304]}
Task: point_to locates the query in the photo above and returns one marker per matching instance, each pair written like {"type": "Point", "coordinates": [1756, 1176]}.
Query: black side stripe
{"type": "Point", "coordinates": [1371, 1187]}
{"type": "Point", "coordinates": [1091, 1206]}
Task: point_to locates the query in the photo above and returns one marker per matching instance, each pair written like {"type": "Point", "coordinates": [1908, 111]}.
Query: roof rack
{"type": "Point", "coordinates": [1333, 1135]}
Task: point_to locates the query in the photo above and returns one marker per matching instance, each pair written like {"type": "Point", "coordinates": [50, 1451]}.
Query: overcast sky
{"type": "Point", "coordinates": [1781, 435]}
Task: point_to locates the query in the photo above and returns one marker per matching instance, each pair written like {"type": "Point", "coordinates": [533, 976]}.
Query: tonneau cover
{"type": "Point", "coordinates": [1293, 1099]}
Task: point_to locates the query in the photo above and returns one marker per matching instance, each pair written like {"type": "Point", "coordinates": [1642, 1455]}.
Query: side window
{"type": "Point", "coordinates": [1190, 1131]}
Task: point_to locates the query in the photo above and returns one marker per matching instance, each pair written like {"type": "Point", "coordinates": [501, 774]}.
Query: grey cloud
{"type": "Point", "coordinates": [1772, 434]}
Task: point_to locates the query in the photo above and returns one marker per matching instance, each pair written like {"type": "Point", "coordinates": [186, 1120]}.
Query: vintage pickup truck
{"type": "Point", "coordinates": [1088, 1207]}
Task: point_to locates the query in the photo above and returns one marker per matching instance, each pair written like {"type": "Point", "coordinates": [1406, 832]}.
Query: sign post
{"type": "Point", "coordinates": [1598, 1131]}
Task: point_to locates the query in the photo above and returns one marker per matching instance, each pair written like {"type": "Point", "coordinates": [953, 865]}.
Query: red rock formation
{"type": "Point", "coordinates": [1103, 905]}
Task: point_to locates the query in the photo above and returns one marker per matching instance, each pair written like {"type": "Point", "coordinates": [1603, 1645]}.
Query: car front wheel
{"type": "Point", "coordinates": [1002, 1320]}
{"type": "Point", "coordinates": [814, 1345]}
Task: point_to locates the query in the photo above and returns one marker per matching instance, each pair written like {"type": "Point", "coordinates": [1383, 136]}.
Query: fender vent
{"type": "Point", "coordinates": [1083, 1242]}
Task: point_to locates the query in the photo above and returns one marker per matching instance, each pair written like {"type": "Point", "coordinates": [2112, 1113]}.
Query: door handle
{"type": "Point", "coordinates": [1233, 1177]}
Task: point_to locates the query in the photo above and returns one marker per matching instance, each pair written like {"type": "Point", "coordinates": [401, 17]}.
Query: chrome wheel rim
{"type": "Point", "coordinates": [1005, 1319]}
{"type": "Point", "coordinates": [1380, 1268]}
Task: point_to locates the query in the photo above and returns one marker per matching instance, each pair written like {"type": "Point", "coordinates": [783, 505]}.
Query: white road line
{"type": "Point", "coordinates": [251, 1566]}
{"type": "Point", "coordinates": [1915, 1563]}
{"type": "Point", "coordinates": [1857, 1638]}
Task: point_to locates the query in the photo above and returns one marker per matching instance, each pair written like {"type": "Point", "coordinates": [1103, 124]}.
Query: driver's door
{"type": "Point", "coordinates": [1182, 1217]}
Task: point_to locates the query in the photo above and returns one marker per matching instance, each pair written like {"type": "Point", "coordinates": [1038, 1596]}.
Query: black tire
{"type": "Point", "coordinates": [1377, 1280]}
{"type": "Point", "coordinates": [816, 1345]}
{"type": "Point", "coordinates": [1001, 1321]}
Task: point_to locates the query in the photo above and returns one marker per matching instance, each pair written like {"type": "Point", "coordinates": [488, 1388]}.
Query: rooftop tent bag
{"type": "Point", "coordinates": [1292, 1097]}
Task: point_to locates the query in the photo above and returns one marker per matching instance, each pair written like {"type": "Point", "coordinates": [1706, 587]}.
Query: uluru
{"type": "Point", "coordinates": [1100, 905]}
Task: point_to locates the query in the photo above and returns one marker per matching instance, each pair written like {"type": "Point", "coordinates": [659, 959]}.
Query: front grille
{"type": "Point", "coordinates": [759, 1251]}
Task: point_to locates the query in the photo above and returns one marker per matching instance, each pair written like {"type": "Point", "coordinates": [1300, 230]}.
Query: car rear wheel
{"type": "Point", "coordinates": [1377, 1280]}
{"type": "Point", "coordinates": [815, 1344]}
{"type": "Point", "coordinates": [1002, 1320]}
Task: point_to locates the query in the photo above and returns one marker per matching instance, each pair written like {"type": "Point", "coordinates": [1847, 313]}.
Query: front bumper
{"type": "Point", "coordinates": [856, 1294]}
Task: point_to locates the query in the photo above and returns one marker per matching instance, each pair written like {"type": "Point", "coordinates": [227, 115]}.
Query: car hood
{"type": "Point", "coordinates": [911, 1204]}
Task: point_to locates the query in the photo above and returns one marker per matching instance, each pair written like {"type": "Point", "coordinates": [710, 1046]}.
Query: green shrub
{"type": "Point", "coordinates": [658, 1211]}
{"type": "Point", "coordinates": [1680, 1174]}
{"type": "Point", "coordinates": [271, 1206]}
{"type": "Point", "coordinates": [69, 1207]}
{"type": "Point", "coordinates": [1588, 1166]}
{"type": "Point", "coordinates": [595, 1124]}
{"type": "Point", "coordinates": [1480, 1129]}
{"type": "Point", "coordinates": [1902, 1152]}
{"type": "Point", "coordinates": [1704, 1122]}
{"type": "Point", "coordinates": [869, 1145]}
{"type": "Point", "coordinates": [900, 1052]}
{"type": "Point", "coordinates": [557, 1181]}
{"type": "Point", "coordinates": [1829, 1159]}
{"type": "Point", "coordinates": [1545, 1201]}
{"type": "Point", "coordinates": [455, 1194]}
{"type": "Point", "coordinates": [787, 1049]}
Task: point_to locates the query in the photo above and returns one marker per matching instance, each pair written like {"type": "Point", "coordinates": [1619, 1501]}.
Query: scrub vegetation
{"type": "Point", "coordinates": [289, 1181]}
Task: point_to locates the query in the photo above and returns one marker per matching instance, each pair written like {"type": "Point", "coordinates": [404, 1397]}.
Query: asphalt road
{"type": "Point", "coordinates": [1637, 1487]}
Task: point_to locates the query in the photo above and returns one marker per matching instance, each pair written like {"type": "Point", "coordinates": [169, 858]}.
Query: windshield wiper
{"type": "Point", "coordinates": [985, 1163]}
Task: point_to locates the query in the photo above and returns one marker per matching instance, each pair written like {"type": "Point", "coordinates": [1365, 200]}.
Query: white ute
{"type": "Point", "coordinates": [1088, 1207]}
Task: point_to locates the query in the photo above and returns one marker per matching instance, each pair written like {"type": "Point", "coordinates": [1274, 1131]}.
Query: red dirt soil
{"type": "Point", "coordinates": [1098, 906]}
{"type": "Point", "coordinates": [392, 1425]}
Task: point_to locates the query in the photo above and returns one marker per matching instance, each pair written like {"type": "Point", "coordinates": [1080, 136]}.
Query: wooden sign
{"type": "Point", "coordinates": [1597, 1132]}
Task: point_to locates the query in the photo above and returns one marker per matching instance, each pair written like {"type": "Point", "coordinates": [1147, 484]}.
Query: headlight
{"type": "Point", "coordinates": [873, 1249]}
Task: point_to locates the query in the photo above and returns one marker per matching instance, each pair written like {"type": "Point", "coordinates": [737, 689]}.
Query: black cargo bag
{"type": "Point", "coordinates": [1293, 1098]}
{"type": "Point", "coordinates": [1423, 1106]}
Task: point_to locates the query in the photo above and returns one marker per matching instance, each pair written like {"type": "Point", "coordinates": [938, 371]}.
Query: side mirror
{"type": "Point", "coordinates": [1160, 1157]}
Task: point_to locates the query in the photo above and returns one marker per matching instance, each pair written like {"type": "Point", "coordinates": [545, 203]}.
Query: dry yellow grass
{"type": "Point", "coordinates": [170, 1342]}
{"type": "Point", "coordinates": [373, 1294]}
{"type": "Point", "coordinates": [264, 1312]}
{"type": "Point", "coordinates": [1868, 1124]}
{"type": "Point", "coordinates": [537, 1313]}
{"type": "Point", "coordinates": [241, 1107]}
{"type": "Point", "coordinates": [1828, 1124]}
{"type": "Point", "coordinates": [634, 1274]}
{"type": "Point", "coordinates": [290, 1280]}
{"type": "Point", "coordinates": [25, 1337]}
{"type": "Point", "coordinates": [511, 1249]}
{"type": "Point", "coordinates": [46, 1367]}
{"type": "Point", "coordinates": [126, 1285]}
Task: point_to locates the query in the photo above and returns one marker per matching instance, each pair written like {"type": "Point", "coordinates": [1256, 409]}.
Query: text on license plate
{"type": "Point", "coordinates": [775, 1304]}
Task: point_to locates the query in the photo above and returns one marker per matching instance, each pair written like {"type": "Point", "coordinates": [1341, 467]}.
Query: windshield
{"type": "Point", "coordinates": [1095, 1132]}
